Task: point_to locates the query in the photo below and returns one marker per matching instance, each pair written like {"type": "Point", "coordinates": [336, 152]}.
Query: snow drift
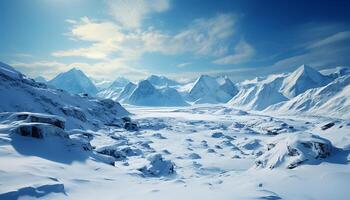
{"type": "Point", "coordinates": [293, 150]}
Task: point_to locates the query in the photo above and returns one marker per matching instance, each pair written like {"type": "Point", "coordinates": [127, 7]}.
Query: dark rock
{"type": "Point", "coordinates": [327, 126]}
{"type": "Point", "coordinates": [130, 126]}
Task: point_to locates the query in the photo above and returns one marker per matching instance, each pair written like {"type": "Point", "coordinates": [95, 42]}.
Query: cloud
{"type": "Point", "coordinates": [338, 37]}
{"type": "Point", "coordinates": [205, 36]}
{"type": "Point", "coordinates": [183, 64]}
{"type": "Point", "coordinates": [202, 37]}
{"type": "Point", "coordinates": [243, 51]}
{"type": "Point", "coordinates": [324, 52]}
{"type": "Point", "coordinates": [45, 68]}
{"type": "Point", "coordinates": [104, 36]}
{"type": "Point", "coordinates": [130, 14]}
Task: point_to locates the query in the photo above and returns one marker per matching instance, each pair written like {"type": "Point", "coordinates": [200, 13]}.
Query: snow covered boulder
{"type": "Point", "coordinates": [74, 112]}
{"type": "Point", "coordinates": [217, 135]}
{"type": "Point", "coordinates": [81, 138]}
{"type": "Point", "coordinates": [131, 126]}
{"type": "Point", "coordinates": [157, 166]}
{"type": "Point", "coordinates": [39, 118]}
{"type": "Point", "coordinates": [119, 152]}
{"type": "Point", "coordinates": [39, 130]}
{"type": "Point", "coordinates": [293, 150]}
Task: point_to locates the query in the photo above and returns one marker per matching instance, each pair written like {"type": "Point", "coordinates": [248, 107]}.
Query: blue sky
{"type": "Point", "coordinates": [177, 38]}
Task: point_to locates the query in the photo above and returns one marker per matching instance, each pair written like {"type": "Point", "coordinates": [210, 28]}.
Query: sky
{"type": "Point", "coordinates": [181, 39]}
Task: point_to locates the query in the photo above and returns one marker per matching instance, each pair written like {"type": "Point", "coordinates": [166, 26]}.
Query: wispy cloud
{"type": "Point", "coordinates": [243, 51]}
{"type": "Point", "coordinates": [130, 14]}
{"type": "Point", "coordinates": [202, 37]}
{"type": "Point", "coordinates": [323, 52]}
{"type": "Point", "coordinates": [183, 64]}
{"type": "Point", "coordinates": [337, 37]}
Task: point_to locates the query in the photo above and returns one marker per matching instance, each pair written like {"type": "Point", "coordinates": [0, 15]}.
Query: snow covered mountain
{"type": "Point", "coordinates": [336, 72]}
{"type": "Point", "coordinates": [161, 81]}
{"type": "Point", "coordinates": [259, 94]}
{"type": "Point", "coordinates": [102, 84]}
{"type": "Point", "coordinates": [75, 82]}
{"type": "Point", "coordinates": [120, 82]}
{"type": "Point", "coordinates": [301, 80]}
{"type": "Point", "coordinates": [126, 92]}
{"type": "Point", "coordinates": [330, 100]}
{"type": "Point", "coordinates": [114, 90]}
{"type": "Point", "coordinates": [207, 89]}
{"type": "Point", "coordinates": [21, 94]}
{"type": "Point", "coordinates": [145, 94]}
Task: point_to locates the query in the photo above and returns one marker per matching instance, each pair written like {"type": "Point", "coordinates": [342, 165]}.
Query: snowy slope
{"type": "Point", "coordinates": [161, 81]}
{"type": "Point", "coordinates": [75, 82]}
{"type": "Point", "coordinates": [114, 90]}
{"type": "Point", "coordinates": [260, 94]}
{"type": "Point", "coordinates": [336, 72]}
{"type": "Point", "coordinates": [146, 94]}
{"type": "Point", "coordinates": [102, 84]}
{"type": "Point", "coordinates": [330, 100]}
{"type": "Point", "coordinates": [301, 80]}
{"type": "Point", "coordinates": [18, 94]}
{"type": "Point", "coordinates": [120, 82]}
{"type": "Point", "coordinates": [207, 89]}
{"type": "Point", "coordinates": [126, 92]}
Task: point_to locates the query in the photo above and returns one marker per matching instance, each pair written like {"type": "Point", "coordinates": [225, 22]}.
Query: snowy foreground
{"type": "Point", "coordinates": [198, 152]}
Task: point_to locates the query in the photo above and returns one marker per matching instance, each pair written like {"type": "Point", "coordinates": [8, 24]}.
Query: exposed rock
{"type": "Point", "coordinates": [157, 166]}
{"type": "Point", "coordinates": [327, 126]}
{"type": "Point", "coordinates": [74, 112]}
{"type": "Point", "coordinates": [119, 152]}
{"type": "Point", "coordinates": [40, 118]}
{"type": "Point", "coordinates": [194, 156]}
{"type": "Point", "coordinates": [217, 135]}
{"type": "Point", "coordinates": [131, 126]}
{"type": "Point", "coordinates": [39, 130]}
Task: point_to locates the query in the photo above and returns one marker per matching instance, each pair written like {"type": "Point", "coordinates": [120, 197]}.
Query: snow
{"type": "Point", "coordinates": [330, 100]}
{"type": "Point", "coordinates": [161, 81]}
{"type": "Point", "coordinates": [207, 89]}
{"type": "Point", "coordinates": [302, 79]}
{"type": "Point", "coordinates": [260, 93]}
{"type": "Point", "coordinates": [145, 94]}
{"type": "Point", "coordinates": [186, 162]}
{"type": "Point", "coordinates": [55, 145]}
{"type": "Point", "coordinates": [75, 82]}
{"type": "Point", "coordinates": [18, 94]}
{"type": "Point", "coordinates": [295, 150]}
{"type": "Point", "coordinates": [126, 92]}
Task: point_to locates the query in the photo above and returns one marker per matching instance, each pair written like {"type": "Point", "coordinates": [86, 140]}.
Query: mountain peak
{"type": "Point", "coordinates": [161, 81]}
{"type": "Point", "coordinates": [74, 81]}
{"type": "Point", "coordinates": [302, 79]}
